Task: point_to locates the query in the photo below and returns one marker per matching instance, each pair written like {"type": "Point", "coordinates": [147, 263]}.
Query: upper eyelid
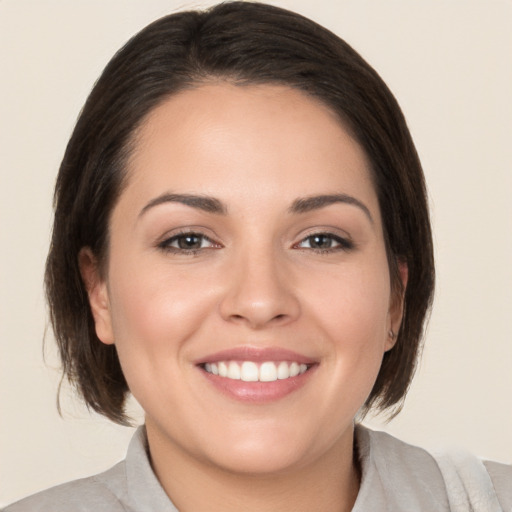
{"type": "Point", "coordinates": [323, 233]}
{"type": "Point", "coordinates": [166, 241]}
{"type": "Point", "coordinates": [324, 230]}
{"type": "Point", "coordinates": [183, 231]}
{"type": "Point", "coordinates": [190, 233]}
{"type": "Point", "coordinates": [344, 241]}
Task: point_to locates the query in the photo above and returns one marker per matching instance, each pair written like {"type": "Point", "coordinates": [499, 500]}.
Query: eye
{"type": "Point", "coordinates": [187, 243]}
{"type": "Point", "coordinates": [324, 242]}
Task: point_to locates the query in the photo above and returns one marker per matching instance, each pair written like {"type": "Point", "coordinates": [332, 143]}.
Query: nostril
{"type": "Point", "coordinates": [258, 310]}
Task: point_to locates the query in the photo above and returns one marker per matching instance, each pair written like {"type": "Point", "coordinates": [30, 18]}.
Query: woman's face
{"type": "Point", "coordinates": [248, 291]}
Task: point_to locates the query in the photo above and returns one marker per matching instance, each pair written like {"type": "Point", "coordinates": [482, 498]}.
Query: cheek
{"type": "Point", "coordinates": [352, 312]}
{"type": "Point", "coordinates": [155, 312]}
{"type": "Point", "coordinates": [155, 317]}
{"type": "Point", "coordinates": [354, 305]}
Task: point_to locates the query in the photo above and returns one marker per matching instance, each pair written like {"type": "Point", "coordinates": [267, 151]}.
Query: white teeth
{"type": "Point", "coordinates": [249, 371]}
{"type": "Point", "coordinates": [234, 371]}
{"type": "Point", "coordinates": [223, 369]}
{"type": "Point", "coordinates": [268, 372]}
{"type": "Point", "coordinates": [294, 369]}
{"type": "Point", "coordinates": [283, 370]}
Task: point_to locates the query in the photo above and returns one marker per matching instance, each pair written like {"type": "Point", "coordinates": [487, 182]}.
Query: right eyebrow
{"type": "Point", "coordinates": [205, 203]}
{"type": "Point", "coordinates": [307, 204]}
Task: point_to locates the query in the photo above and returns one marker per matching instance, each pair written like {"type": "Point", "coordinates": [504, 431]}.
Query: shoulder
{"type": "Point", "coordinates": [438, 477]}
{"type": "Point", "coordinates": [129, 485]}
{"type": "Point", "coordinates": [501, 477]}
{"type": "Point", "coordinates": [395, 456]}
{"type": "Point", "coordinates": [102, 492]}
{"type": "Point", "coordinates": [406, 474]}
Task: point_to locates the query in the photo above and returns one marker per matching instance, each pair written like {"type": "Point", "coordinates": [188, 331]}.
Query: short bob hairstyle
{"type": "Point", "coordinates": [240, 43]}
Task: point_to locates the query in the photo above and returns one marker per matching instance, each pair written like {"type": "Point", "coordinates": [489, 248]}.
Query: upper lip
{"type": "Point", "coordinates": [256, 354]}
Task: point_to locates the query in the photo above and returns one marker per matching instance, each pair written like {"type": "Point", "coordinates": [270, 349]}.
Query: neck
{"type": "Point", "coordinates": [330, 482]}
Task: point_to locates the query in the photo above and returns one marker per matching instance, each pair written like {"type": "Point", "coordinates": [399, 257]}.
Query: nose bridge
{"type": "Point", "coordinates": [260, 289]}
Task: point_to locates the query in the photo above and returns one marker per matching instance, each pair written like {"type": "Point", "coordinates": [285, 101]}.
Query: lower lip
{"type": "Point", "coordinates": [258, 392]}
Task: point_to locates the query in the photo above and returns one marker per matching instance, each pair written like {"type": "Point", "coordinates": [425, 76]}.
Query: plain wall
{"type": "Point", "coordinates": [449, 64]}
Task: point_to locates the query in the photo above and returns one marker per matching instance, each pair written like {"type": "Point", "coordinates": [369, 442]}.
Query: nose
{"type": "Point", "coordinates": [260, 292]}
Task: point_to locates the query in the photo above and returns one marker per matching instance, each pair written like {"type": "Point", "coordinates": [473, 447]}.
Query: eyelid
{"type": "Point", "coordinates": [342, 238]}
{"type": "Point", "coordinates": [324, 230]}
{"type": "Point", "coordinates": [164, 242]}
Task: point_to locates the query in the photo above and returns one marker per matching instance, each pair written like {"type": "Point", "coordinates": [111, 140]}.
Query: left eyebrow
{"type": "Point", "coordinates": [205, 203]}
{"type": "Point", "coordinates": [307, 204]}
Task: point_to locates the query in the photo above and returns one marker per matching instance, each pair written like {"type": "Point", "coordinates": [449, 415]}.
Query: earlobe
{"type": "Point", "coordinates": [396, 310]}
{"type": "Point", "coordinates": [391, 339]}
{"type": "Point", "coordinates": [97, 292]}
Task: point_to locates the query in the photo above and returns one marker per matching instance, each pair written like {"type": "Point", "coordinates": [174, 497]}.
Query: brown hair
{"type": "Point", "coordinates": [244, 43]}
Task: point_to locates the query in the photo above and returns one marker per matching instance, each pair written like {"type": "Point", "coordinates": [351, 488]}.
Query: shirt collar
{"type": "Point", "coordinates": [144, 489]}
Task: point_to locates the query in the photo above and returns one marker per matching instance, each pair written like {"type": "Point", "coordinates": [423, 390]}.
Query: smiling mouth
{"type": "Point", "coordinates": [250, 371]}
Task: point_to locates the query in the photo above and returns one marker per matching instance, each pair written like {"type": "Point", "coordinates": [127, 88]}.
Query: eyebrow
{"type": "Point", "coordinates": [213, 205]}
{"type": "Point", "coordinates": [205, 203]}
{"type": "Point", "coordinates": [307, 204]}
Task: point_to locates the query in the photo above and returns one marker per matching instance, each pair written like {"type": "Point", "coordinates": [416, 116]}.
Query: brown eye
{"type": "Point", "coordinates": [325, 242]}
{"type": "Point", "coordinates": [320, 241]}
{"type": "Point", "coordinates": [191, 241]}
{"type": "Point", "coordinates": [187, 242]}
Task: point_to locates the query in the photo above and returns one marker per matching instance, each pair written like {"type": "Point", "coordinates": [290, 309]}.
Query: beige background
{"type": "Point", "coordinates": [449, 64]}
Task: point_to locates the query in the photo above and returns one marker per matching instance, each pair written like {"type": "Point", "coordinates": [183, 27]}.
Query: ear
{"type": "Point", "coordinates": [396, 309]}
{"type": "Point", "coordinates": [97, 292]}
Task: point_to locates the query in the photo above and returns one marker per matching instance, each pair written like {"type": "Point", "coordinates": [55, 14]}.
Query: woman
{"type": "Point", "coordinates": [242, 241]}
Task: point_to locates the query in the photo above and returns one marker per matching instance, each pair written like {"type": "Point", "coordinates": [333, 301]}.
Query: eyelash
{"type": "Point", "coordinates": [166, 244]}
{"type": "Point", "coordinates": [343, 244]}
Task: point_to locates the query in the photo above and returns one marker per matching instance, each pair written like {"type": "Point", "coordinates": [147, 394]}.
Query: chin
{"type": "Point", "coordinates": [274, 450]}
{"type": "Point", "coordinates": [260, 462]}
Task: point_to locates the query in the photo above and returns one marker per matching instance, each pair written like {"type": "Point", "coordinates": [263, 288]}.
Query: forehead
{"type": "Point", "coordinates": [238, 142]}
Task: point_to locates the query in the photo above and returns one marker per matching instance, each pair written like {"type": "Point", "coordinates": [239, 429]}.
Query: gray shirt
{"type": "Point", "coordinates": [395, 477]}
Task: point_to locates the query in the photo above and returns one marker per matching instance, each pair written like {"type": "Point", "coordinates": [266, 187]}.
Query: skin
{"type": "Point", "coordinates": [258, 280]}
